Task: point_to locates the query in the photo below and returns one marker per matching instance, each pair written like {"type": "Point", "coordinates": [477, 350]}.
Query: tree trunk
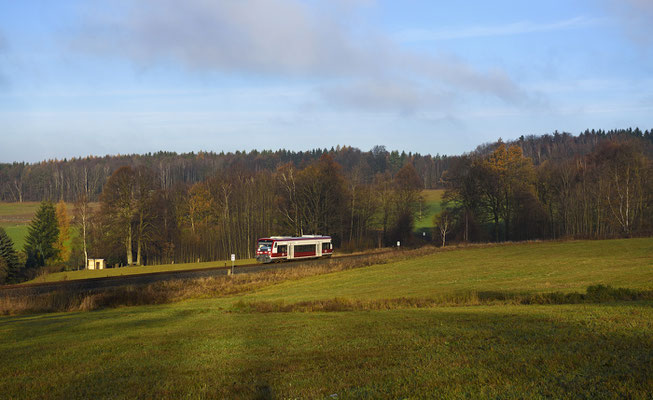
{"type": "Point", "coordinates": [84, 240]}
{"type": "Point", "coordinates": [128, 244]}
{"type": "Point", "coordinates": [139, 260]}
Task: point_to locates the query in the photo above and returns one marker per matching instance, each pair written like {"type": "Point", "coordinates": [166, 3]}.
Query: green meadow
{"type": "Point", "coordinates": [432, 201]}
{"type": "Point", "coordinates": [17, 233]}
{"type": "Point", "coordinates": [16, 217]}
{"type": "Point", "coordinates": [133, 270]}
{"type": "Point", "coordinates": [510, 268]}
{"type": "Point", "coordinates": [219, 347]}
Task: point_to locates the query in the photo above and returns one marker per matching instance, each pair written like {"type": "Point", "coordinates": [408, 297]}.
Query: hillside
{"type": "Point", "coordinates": [510, 268]}
{"type": "Point", "coordinates": [236, 347]}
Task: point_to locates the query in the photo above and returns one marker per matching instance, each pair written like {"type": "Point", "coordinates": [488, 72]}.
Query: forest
{"type": "Point", "coordinates": [164, 207]}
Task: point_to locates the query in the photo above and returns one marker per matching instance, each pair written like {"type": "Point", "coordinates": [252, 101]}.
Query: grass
{"type": "Point", "coordinates": [17, 234]}
{"type": "Point", "coordinates": [134, 270]}
{"type": "Point", "coordinates": [214, 347]}
{"type": "Point", "coordinates": [512, 268]}
{"type": "Point", "coordinates": [432, 200]}
{"type": "Point", "coordinates": [25, 210]}
{"type": "Point", "coordinates": [196, 350]}
{"type": "Point", "coordinates": [16, 217]}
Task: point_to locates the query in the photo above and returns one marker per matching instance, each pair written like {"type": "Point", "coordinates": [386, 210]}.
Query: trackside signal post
{"type": "Point", "coordinates": [233, 258]}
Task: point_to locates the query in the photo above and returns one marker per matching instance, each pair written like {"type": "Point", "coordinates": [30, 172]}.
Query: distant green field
{"type": "Point", "coordinates": [134, 270]}
{"type": "Point", "coordinates": [24, 210]}
{"type": "Point", "coordinates": [16, 217]}
{"type": "Point", "coordinates": [215, 348]}
{"type": "Point", "coordinates": [17, 233]}
{"type": "Point", "coordinates": [432, 200]}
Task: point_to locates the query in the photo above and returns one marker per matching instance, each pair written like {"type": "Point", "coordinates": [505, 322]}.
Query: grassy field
{"type": "Point", "coordinates": [512, 268]}
{"type": "Point", "coordinates": [432, 200]}
{"type": "Point", "coordinates": [16, 217]}
{"type": "Point", "coordinates": [134, 270]}
{"type": "Point", "coordinates": [17, 233]}
{"type": "Point", "coordinates": [19, 211]}
{"type": "Point", "coordinates": [219, 348]}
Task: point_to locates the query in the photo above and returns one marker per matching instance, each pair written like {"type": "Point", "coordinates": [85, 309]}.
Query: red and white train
{"type": "Point", "coordinates": [279, 248]}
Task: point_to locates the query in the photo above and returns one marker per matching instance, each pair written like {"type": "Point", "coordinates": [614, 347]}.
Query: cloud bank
{"type": "Point", "coordinates": [637, 19]}
{"type": "Point", "coordinates": [292, 39]}
{"type": "Point", "coordinates": [516, 28]}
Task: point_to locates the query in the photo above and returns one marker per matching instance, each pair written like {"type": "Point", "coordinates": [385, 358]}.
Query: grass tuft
{"type": "Point", "coordinates": [595, 294]}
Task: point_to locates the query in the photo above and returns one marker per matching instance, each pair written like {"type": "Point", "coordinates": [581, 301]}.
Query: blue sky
{"type": "Point", "coordinates": [84, 78]}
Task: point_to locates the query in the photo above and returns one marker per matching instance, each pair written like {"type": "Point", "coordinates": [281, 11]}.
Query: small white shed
{"type": "Point", "coordinates": [96, 263]}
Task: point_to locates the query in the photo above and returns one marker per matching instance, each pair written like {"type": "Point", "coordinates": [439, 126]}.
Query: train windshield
{"type": "Point", "coordinates": [264, 245]}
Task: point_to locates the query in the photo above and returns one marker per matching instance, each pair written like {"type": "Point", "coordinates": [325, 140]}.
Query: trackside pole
{"type": "Point", "coordinates": [233, 258]}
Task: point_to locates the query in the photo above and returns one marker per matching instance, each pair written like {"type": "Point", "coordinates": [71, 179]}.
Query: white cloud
{"type": "Point", "coordinates": [516, 28]}
{"type": "Point", "coordinates": [291, 39]}
{"type": "Point", "coordinates": [251, 36]}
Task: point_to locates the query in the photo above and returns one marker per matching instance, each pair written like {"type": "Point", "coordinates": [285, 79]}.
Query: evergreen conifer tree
{"type": "Point", "coordinates": [9, 264]}
{"type": "Point", "coordinates": [62, 245]}
{"type": "Point", "coordinates": [41, 237]}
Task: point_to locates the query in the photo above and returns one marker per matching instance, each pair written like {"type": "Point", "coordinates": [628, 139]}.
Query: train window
{"type": "Point", "coordinates": [264, 245]}
{"type": "Point", "coordinates": [282, 249]}
{"type": "Point", "coordinates": [326, 246]}
{"type": "Point", "coordinates": [305, 248]}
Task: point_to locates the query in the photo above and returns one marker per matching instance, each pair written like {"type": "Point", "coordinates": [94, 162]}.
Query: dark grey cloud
{"type": "Point", "coordinates": [636, 17]}
{"type": "Point", "coordinates": [401, 96]}
{"type": "Point", "coordinates": [290, 39]}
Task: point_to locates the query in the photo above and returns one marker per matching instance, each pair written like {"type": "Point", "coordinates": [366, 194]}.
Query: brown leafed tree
{"type": "Point", "coordinates": [146, 214]}
{"type": "Point", "coordinates": [385, 193]}
{"type": "Point", "coordinates": [625, 170]}
{"type": "Point", "coordinates": [407, 199]}
{"type": "Point", "coordinates": [199, 206]}
{"type": "Point", "coordinates": [118, 207]}
{"type": "Point", "coordinates": [504, 174]}
{"type": "Point", "coordinates": [322, 195]}
{"type": "Point", "coordinates": [288, 202]}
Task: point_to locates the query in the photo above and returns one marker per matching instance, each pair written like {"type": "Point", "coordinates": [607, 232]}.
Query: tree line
{"type": "Point", "coordinates": [138, 223]}
{"type": "Point", "coordinates": [596, 185]}
{"type": "Point", "coordinates": [504, 195]}
{"type": "Point", "coordinates": [68, 179]}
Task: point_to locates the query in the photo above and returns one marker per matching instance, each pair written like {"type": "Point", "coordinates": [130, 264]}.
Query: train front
{"type": "Point", "coordinates": [264, 250]}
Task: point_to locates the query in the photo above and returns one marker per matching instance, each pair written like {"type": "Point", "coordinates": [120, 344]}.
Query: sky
{"type": "Point", "coordinates": [81, 78]}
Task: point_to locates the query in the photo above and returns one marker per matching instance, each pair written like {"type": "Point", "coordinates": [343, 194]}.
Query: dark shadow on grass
{"type": "Point", "coordinates": [424, 353]}
{"type": "Point", "coordinates": [595, 294]}
{"type": "Point", "coordinates": [460, 355]}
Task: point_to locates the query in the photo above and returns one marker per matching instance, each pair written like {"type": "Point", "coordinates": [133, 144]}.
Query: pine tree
{"type": "Point", "coordinates": [42, 236]}
{"type": "Point", "coordinates": [9, 264]}
{"type": "Point", "coordinates": [64, 232]}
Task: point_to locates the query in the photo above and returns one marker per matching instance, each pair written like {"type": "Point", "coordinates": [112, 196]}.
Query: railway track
{"type": "Point", "coordinates": [147, 278]}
